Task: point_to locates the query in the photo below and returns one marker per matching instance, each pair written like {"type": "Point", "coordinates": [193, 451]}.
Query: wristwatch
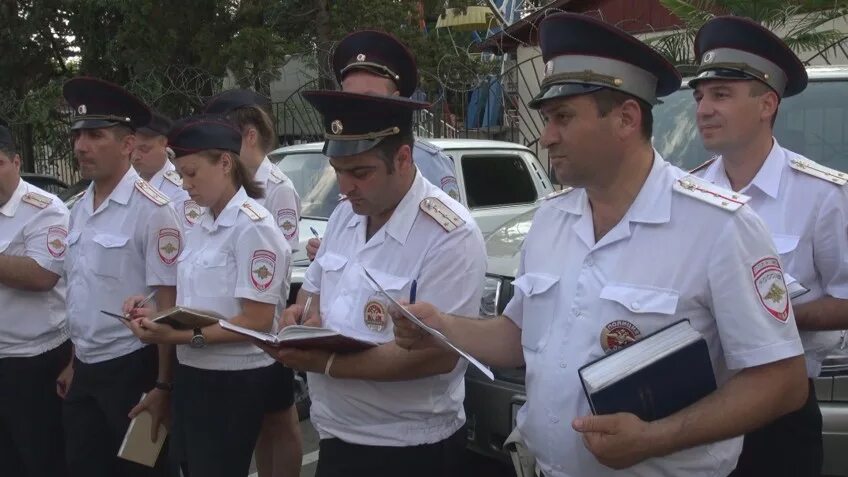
{"type": "Point", "coordinates": [164, 386]}
{"type": "Point", "coordinates": [197, 340]}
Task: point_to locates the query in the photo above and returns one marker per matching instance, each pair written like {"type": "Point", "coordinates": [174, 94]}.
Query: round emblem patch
{"type": "Point", "coordinates": [618, 334]}
{"type": "Point", "coordinates": [360, 57]}
{"type": "Point", "coordinates": [169, 245]}
{"type": "Point", "coordinates": [192, 212]}
{"type": "Point", "coordinates": [450, 186]}
{"type": "Point", "coordinates": [376, 316]}
{"type": "Point", "coordinates": [262, 268]}
{"type": "Point", "coordinates": [56, 241]}
{"type": "Point", "coordinates": [287, 222]}
{"type": "Point", "coordinates": [82, 109]}
{"type": "Point", "coordinates": [337, 127]}
{"type": "Point", "coordinates": [708, 57]}
{"type": "Point", "coordinates": [771, 287]}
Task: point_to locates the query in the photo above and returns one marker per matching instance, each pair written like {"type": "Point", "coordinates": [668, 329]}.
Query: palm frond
{"type": "Point", "coordinates": [693, 13]}
{"type": "Point", "coordinates": [814, 41]}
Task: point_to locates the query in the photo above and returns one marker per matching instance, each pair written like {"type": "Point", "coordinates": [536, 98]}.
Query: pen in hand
{"type": "Point", "coordinates": [146, 299]}
{"type": "Point", "coordinates": [305, 309]}
{"type": "Point", "coordinates": [314, 232]}
{"type": "Point", "coordinates": [413, 289]}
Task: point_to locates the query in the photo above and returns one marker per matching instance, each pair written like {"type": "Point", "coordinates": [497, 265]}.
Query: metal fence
{"type": "Point", "coordinates": [47, 149]}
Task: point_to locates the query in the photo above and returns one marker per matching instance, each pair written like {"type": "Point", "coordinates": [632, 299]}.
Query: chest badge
{"type": "Point", "coordinates": [376, 314]}
{"type": "Point", "coordinates": [618, 334]}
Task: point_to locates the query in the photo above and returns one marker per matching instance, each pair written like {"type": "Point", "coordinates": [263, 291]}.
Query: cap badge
{"type": "Point", "coordinates": [336, 127]}
{"type": "Point", "coordinates": [708, 57]}
{"type": "Point", "coordinates": [82, 109]}
{"type": "Point", "coordinates": [360, 57]}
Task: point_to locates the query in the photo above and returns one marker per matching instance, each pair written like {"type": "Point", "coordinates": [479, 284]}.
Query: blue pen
{"type": "Point", "coordinates": [412, 290]}
{"type": "Point", "coordinates": [314, 232]}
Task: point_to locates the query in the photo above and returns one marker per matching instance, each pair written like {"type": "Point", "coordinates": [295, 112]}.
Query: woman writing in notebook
{"type": "Point", "coordinates": [233, 263]}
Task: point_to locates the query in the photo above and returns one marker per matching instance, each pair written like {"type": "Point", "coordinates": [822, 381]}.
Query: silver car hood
{"type": "Point", "coordinates": [503, 246]}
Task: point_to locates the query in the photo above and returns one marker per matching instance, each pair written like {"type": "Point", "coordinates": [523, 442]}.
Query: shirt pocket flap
{"type": "Point", "coordinates": [73, 237]}
{"type": "Point", "coordinates": [639, 299]}
{"type": "Point", "coordinates": [4, 245]}
{"type": "Point", "coordinates": [212, 259]}
{"type": "Point", "coordinates": [331, 262]}
{"type": "Point", "coordinates": [110, 240]}
{"type": "Point", "coordinates": [386, 280]}
{"type": "Point", "coordinates": [535, 283]}
{"type": "Point", "coordinates": [785, 243]}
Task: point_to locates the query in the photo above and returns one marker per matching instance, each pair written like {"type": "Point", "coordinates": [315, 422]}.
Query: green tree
{"type": "Point", "coordinates": [802, 23]}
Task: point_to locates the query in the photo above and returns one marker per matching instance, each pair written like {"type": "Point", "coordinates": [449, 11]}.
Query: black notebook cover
{"type": "Point", "coordinates": [661, 388]}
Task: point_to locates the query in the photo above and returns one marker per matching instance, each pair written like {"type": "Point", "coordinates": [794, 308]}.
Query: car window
{"type": "Point", "coordinates": [494, 180]}
{"type": "Point", "coordinates": [813, 123]}
{"type": "Point", "coordinates": [313, 179]}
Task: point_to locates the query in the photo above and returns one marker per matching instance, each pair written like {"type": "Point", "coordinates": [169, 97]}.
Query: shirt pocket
{"type": "Point", "coordinates": [631, 311]}
{"type": "Point", "coordinates": [110, 255]}
{"type": "Point", "coordinates": [332, 267]}
{"type": "Point", "coordinates": [538, 308]}
{"type": "Point", "coordinates": [215, 279]}
{"type": "Point", "coordinates": [4, 245]}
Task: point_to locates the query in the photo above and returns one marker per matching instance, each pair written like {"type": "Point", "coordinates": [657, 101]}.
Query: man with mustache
{"type": "Point", "coordinates": [744, 74]}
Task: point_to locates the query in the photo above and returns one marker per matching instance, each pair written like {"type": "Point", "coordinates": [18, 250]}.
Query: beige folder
{"type": "Point", "coordinates": [137, 446]}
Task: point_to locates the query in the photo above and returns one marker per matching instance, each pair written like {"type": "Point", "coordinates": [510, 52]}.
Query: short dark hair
{"type": "Point", "coordinates": [758, 88]}
{"type": "Point", "coordinates": [606, 99]}
{"type": "Point", "coordinates": [388, 147]}
{"type": "Point", "coordinates": [240, 176]}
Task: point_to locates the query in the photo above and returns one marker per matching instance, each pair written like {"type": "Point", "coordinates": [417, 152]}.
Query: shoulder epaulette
{"type": "Point", "coordinates": [427, 146]}
{"type": "Point", "coordinates": [151, 192]}
{"type": "Point", "coordinates": [704, 165]}
{"type": "Point", "coordinates": [38, 200]}
{"type": "Point", "coordinates": [442, 214]}
{"type": "Point", "coordinates": [174, 178]}
{"type": "Point", "coordinates": [817, 170]}
{"type": "Point", "coordinates": [710, 193]}
{"type": "Point", "coordinates": [276, 175]}
{"type": "Point", "coordinates": [251, 212]}
{"type": "Point", "coordinates": [557, 193]}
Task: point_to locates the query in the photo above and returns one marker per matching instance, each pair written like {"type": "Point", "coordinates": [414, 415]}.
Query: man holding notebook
{"type": "Point", "coordinates": [385, 411]}
{"type": "Point", "coordinates": [635, 246]}
{"type": "Point", "coordinates": [745, 72]}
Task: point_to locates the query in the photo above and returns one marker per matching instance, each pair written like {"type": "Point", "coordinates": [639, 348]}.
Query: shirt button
{"type": "Point", "coordinates": [554, 419]}
{"type": "Point", "coordinates": [589, 262]}
{"type": "Point", "coordinates": [635, 305]}
{"type": "Point", "coordinates": [563, 365]}
{"type": "Point", "coordinates": [578, 315]}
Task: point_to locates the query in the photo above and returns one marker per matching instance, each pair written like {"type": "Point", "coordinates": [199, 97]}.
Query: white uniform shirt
{"type": "Point", "coordinates": [436, 167]}
{"type": "Point", "coordinates": [808, 219]}
{"type": "Point", "coordinates": [239, 255]}
{"type": "Point", "coordinates": [169, 182]}
{"type": "Point", "coordinates": [671, 257]}
{"type": "Point", "coordinates": [449, 268]}
{"type": "Point", "coordinates": [281, 200]}
{"type": "Point", "coordinates": [34, 224]}
{"type": "Point", "coordinates": [129, 244]}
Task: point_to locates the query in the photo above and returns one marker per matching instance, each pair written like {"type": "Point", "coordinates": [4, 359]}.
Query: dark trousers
{"type": "Point", "coordinates": [217, 416]}
{"type": "Point", "coordinates": [96, 414]}
{"type": "Point", "coordinates": [31, 439]}
{"type": "Point", "coordinates": [790, 446]}
{"type": "Point", "coordinates": [341, 459]}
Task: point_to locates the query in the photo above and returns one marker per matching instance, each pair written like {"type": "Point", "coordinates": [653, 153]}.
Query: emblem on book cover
{"type": "Point", "coordinates": [376, 315]}
{"type": "Point", "coordinates": [771, 287]}
{"type": "Point", "coordinates": [262, 268]}
{"type": "Point", "coordinates": [618, 334]}
{"type": "Point", "coordinates": [169, 245]}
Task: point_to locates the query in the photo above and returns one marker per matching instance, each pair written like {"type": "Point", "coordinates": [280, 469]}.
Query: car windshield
{"type": "Point", "coordinates": [314, 180]}
{"type": "Point", "coordinates": [811, 123]}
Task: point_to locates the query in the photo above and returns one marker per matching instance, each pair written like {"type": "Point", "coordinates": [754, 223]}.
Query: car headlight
{"type": "Point", "coordinates": [491, 296]}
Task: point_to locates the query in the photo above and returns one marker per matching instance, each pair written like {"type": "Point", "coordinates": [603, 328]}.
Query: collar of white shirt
{"type": "Point", "coordinates": [228, 216]}
{"type": "Point", "coordinates": [767, 179]}
{"type": "Point", "coordinates": [11, 205]}
{"type": "Point", "coordinates": [652, 204]}
{"type": "Point", "coordinates": [404, 215]}
{"type": "Point", "coordinates": [160, 175]}
{"type": "Point", "coordinates": [122, 193]}
{"type": "Point", "coordinates": [264, 171]}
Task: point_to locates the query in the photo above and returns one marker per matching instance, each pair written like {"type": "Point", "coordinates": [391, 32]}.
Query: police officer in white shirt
{"type": "Point", "coordinates": [385, 411]}
{"type": "Point", "coordinates": [375, 62]}
{"type": "Point", "coordinates": [234, 264]}
{"type": "Point", "coordinates": [150, 158]}
{"type": "Point", "coordinates": [124, 239]}
{"type": "Point", "coordinates": [636, 245]}
{"type": "Point", "coordinates": [279, 449]}
{"type": "Point", "coordinates": [34, 344]}
{"type": "Point", "coordinates": [745, 71]}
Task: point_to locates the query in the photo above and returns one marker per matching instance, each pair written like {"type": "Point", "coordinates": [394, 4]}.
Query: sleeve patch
{"type": "Point", "coordinates": [262, 268]}
{"type": "Point", "coordinates": [192, 212]}
{"type": "Point", "coordinates": [56, 241]}
{"type": "Point", "coordinates": [287, 222]}
{"type": "Point", "coordinates": [169, 245]}
{"type": "Point", "coordinates": [771, 288]}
